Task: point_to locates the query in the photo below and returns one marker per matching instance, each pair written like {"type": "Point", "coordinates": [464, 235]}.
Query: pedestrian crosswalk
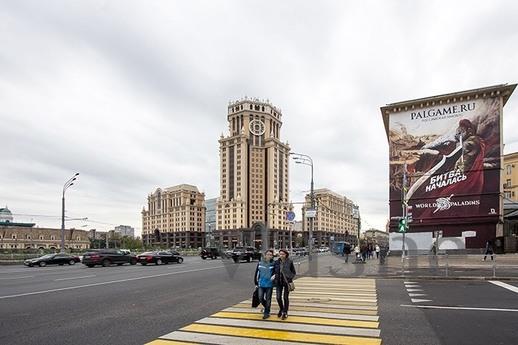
{"type": "Point", "coordinates": [322, 311]}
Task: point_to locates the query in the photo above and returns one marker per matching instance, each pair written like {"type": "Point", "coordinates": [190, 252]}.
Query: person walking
{"type": "Point", "coordinates": [347, 251]}
{"type": "Point", "coordinates": [284, 272]}
{"type": "Point", "coordinates": [377, 251]}
{"type": "Point", "coordinates": [489, 250]}
{"type": "Point", "coordinates": [357, 252]}
{"type": "Point", "coordinates": [263, 279]}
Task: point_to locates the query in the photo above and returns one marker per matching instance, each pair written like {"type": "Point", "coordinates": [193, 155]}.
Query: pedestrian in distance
{"type": "Point", "coordinates": [284, 273]}
{"type": "Point", "coordinates": [377, 251]}
{"type": "Point", "coordinates": [357, 253]}
{"type": "Point", "coordinates": [347, 251]}
{"type": "Point", "coordinates": [263, 279]}
{"type": "Point", "coordinates": [489, 250]}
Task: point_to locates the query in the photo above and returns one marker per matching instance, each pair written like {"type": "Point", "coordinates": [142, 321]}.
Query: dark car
{"type": "Point", "coordinates": [245, 254]}
{"type": "Point", "coordinates": [210, 252]}
{"type": "Point", "coordinates": [159, 258]}
{"type": "Point", "coordinates": [107, 257]}
{"type": "Point", "coordinates": [52, 259]}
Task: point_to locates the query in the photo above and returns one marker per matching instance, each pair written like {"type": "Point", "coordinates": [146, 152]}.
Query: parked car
{"type": "Point", "coordinates": [107, 257]}
{"type": "Point", "coordinates": [210, 252]}
{"type": "Point", "coordinates": [159, 258]}
{"type": "Point", "coordinates": [245, 254]}
{"type": "Point", "coordinates": [52, 259]}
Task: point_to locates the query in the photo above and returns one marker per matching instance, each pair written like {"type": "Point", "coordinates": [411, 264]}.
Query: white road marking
{"type": "Point", "coordinates": [414, 290]}
{"type": "Point", "coordinates": [294, 327]}
{"type": "Point", "coordinates": [504, 285]}
{"type": "Point", "coordinates": [60, 279]}
{"type": "Point", "coordinates": [416, 294]}
{"type": "Point", "coordinates": [456, 308]}
{"type": "Point", "coordinates": [418, 300]}
{"type": "Point", "coordinates": [310, 314]}
{"type": "Point", "coordinates": [16, 278]}
{"type": "Point", "coordinates": [106, 283]}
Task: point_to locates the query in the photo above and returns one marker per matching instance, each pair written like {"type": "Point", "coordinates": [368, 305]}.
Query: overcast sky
{"type": "Point", "coordinates": [133, 95]}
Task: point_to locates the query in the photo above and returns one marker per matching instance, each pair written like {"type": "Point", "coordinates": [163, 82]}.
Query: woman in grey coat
{"type": "Point", "coordinates": [284, 271]}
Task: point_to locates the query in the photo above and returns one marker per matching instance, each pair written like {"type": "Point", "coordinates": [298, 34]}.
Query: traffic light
{"type": "Point", "coordinates": [403, 225]}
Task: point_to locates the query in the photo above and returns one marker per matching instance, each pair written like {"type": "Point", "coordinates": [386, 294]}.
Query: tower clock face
{"type": "Point", "coordinates": [256, 127]}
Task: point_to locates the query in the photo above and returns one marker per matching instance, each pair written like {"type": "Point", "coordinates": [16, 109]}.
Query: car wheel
{"type": "Point", "coordinates": [204, 257]}
{"type": "Point", "coordinates": [90, 266]}
{"type": "Point", "coordinates": [71, 262]}
{"type": "Point", "coordinates": [106, 263]}
{"type": "Point", "coordinates": [119, 264]}
{"type": "Point", "coordinates": [180, 260]}
{"type": "Point", "coordinates": [159, 262]}
{"type": "Point", "coordinates": [212, 257]}
{"type": "Point", "coordinates": [133, 261]}
{"type": "Point", "coordinates": [143, 263]}
{"type": "Point", "coordinates": [236, 260]}
{"type": "Point", "coordinates": [42, 264]}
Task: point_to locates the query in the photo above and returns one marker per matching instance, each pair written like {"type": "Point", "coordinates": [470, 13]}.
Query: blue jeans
{"type": "Point", "coordinates": [265, 296]}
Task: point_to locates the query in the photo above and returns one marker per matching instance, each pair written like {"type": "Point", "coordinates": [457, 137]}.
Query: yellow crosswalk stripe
{"type": "Point", "coordinates": [300, 319]}
{"type": "Point", "coordinates": [282, 335]}
{"type": "Point", "coordinates": [169, 342]}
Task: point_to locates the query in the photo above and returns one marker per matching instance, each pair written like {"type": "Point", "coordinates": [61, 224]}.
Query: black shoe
{"type": "Point", "coordinates": [265, 316]}
{"type": "Point", "coordinates": [279, 314]}
{"type": "Point", "coordinates": [284, 316]}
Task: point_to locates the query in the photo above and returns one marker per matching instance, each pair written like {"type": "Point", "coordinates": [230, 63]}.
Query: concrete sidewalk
{"type": "Point", "coordinates": [322, 311]}
{"type": "Point", "coordinates": [428, 266]}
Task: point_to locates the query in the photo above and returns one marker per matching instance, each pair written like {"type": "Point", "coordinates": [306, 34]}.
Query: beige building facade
{"type": "Point", "coordinates": [175, 217]}
{"type": "Point", "coordinates": [254, 180]}
{"type": "Point", "coordinates": [20, 237]}
{"type": "Point", "coordinates": [510, 176]}
{"type": "Point", "coordinates": [334, 220]}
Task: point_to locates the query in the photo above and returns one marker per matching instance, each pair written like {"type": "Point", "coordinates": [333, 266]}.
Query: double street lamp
{"type": "Point", "coordinates": [300, 158]}
{"type": "Point", "coordinates": [67, 184]}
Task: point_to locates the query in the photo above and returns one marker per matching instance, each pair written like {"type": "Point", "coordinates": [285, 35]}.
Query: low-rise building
{"type": "Point", "coordinates": [22, 236]}
{"type": "Point", "coordinates": [376, 236]}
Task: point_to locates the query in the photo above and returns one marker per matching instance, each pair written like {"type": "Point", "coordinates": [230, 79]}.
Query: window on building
{"type": "Point", "coordinates": [509, 167]}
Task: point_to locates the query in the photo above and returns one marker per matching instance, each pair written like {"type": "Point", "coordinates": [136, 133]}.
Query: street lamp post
{"type": "Point", "coordinates": [307, 160]}
{"type": "Point", "coordinates": [67, 184]}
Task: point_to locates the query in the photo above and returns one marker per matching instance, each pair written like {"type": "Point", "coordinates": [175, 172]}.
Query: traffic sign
{"type": "Point", "coordinates": [290, 216]}
{"type": "Point", "coordinates": [310, 213]}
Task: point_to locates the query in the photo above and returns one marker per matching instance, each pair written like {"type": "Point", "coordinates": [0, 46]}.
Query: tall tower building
{"type": "Point", "coordinates": [254, 176]}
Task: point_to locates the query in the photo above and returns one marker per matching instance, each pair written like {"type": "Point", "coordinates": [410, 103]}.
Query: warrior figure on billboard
{"type": "Point", "coordinates": [472, 147]}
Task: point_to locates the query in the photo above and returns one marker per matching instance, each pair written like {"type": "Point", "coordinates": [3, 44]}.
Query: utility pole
{"type": "Point", "coordinates": [404, 204]}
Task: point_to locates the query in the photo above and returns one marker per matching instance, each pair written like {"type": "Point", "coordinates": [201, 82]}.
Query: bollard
{"type": "Point", "coordinates": [446, 264]}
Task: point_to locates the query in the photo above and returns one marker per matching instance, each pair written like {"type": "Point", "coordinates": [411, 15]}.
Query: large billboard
{"type": "Point", "coordinates": [447, 155]}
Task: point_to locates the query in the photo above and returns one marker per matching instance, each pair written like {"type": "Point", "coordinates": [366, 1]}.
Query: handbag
{"type": "Point", "coordinates": [291, 286]}
{"type": "Point", "coordinates": [255, 298]}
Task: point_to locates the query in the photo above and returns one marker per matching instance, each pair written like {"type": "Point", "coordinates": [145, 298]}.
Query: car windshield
{"type": "Point", "coordinates": [48, 256]}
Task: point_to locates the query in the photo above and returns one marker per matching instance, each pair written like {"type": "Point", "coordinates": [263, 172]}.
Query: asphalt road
{"type": "Point", "coordinates": [447, 312]}
{"type": "Point", "coordinates": [136, 304]}
{"type": "Point", "coordinates": [114, 305]}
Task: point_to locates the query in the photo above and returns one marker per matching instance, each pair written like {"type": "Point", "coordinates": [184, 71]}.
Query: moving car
{"type": "Point", "coordinates": [245, 254]}
{"type": "Point", "coordinates": [52, 259]}
{"type": "Point", "coordinates": [209, 252]}
{"type": "Point", "coordinates": [159, 258]}
{"type": "Point", "coordinates": [107, 257]}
